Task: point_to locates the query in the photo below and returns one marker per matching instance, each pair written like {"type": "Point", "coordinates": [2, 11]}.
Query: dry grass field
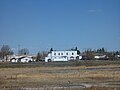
{"type": "Point", "coordinates": [102, 77]}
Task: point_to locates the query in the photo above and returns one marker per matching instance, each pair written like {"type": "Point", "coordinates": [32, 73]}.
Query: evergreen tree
{"type": "Point", "coordinates": [38, 57]}
{"type": "Point", "coordinates": [51, 49]}
{"type": "Point", "coordinates": [76, 49]}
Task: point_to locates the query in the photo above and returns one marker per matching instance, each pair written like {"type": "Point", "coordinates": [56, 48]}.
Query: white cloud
{"type": "Point", "coordinates": [91, 10]}
{"type": "Point", "coordinates": [94, 10]}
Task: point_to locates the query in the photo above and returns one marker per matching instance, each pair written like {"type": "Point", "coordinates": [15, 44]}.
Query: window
{"type": "Point", "coordinates": [72, 53]}
{"type": "Point", "coordinates": [58, 53]}
{"type": "Point", "coordinates": [66, 53]}
{"type": "Point", "coordinates": [61, 53]}
{"type": "Point", "coordinates": [54, 53]}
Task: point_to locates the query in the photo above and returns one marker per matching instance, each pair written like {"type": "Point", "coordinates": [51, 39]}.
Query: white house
{"type": "Point", "coordinates": [62, 56]}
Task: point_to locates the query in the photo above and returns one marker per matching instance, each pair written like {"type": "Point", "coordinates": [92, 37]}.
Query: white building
{"type": "Point", "coordinates": [62, 56]}
{"type": "Point", "coordinates": [21, 59]}
{"type": "Point", "coordinates": [26, 59]}
{"type": "Point", "coordinates": [100, 57]}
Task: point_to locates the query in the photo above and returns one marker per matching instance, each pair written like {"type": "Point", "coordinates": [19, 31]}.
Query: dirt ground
{"type": "Point", "coordinates": [106, 77]}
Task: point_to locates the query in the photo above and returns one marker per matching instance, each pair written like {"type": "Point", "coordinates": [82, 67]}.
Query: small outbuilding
{"type": "Point", "coordinates": [21, 59]}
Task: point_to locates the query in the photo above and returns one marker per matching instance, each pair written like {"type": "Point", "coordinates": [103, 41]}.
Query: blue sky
{"type": "Point", "coordinates": [61, 24]}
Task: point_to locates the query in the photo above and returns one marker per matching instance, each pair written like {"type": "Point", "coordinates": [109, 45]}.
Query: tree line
{"type": "Point", "coordinates": [5, 51]}
{"type": "Point", "coordinates": [89, 54]}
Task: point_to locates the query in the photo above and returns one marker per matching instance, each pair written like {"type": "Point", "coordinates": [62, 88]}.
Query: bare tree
{"type": "Point", "coordinates": [23, 51]}
{"type": "Point", "coordinates": [41, 55]}
{"type": "Point", "coordinates": [5, 51]}
{"type": "Point", "coordinates": [0, 54]}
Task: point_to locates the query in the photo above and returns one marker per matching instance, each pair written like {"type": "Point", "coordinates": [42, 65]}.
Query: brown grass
{"type": "Point", "coordinates": [38, 77]}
